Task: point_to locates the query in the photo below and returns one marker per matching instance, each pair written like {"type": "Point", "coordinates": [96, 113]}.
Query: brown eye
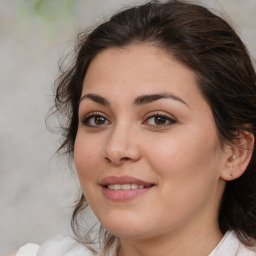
{"type": "Point", "coordinates": [99, 120]}
{"type": "Point", "coordinates": [95, 120]}
{"type": "Point", "coordinates": [160, 120]}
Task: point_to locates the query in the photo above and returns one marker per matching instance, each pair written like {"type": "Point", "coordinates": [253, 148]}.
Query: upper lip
{"type": "Point", "coordinates": [123, 180]}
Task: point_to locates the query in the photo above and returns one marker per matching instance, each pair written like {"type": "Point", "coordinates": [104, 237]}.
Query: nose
{"type": "Point", "coordinates": [122, 146]}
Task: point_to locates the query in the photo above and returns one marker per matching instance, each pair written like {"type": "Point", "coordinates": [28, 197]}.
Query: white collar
{"type": "Point", "coordinates": [230, 245]}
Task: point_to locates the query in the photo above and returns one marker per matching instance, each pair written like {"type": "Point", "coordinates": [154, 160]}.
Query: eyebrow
{"type": "Point", "coordinates": [96, 98]}
{"type": "Point", "coordinates": [144, 99]}
{"type": "Point", "coordinates": [141, 100]}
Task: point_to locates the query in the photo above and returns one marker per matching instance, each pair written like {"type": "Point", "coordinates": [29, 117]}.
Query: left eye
{"type": "Point", "coordinates": [160, 120]}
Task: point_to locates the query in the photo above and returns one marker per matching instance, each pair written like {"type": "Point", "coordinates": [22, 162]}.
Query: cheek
{"type": "Point", "coordinates": [85, 157]}
{"type": "Point", "coordinates": [184, 155]}
{"type": "Point", "coordinates": [188, 172]}
{"type": "Point", "coordinates": [86, 161]}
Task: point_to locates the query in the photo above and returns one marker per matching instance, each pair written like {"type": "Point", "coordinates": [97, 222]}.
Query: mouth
{"type": "Point", "coordinates": [124, 188]}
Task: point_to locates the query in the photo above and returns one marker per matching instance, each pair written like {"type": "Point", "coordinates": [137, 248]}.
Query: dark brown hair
{"type": "Point", "coordinates": [226, 77]}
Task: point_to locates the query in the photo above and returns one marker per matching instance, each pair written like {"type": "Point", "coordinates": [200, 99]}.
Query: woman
{"type": "Point", "coordinates": [160, 105]}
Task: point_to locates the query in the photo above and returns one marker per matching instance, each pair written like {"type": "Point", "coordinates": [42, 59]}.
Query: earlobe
{"type": "Point", "coordinates": [238, 156]}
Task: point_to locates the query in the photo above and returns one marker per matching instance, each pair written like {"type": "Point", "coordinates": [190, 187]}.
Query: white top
{"type": "Point", "coordinates": [66, 246]}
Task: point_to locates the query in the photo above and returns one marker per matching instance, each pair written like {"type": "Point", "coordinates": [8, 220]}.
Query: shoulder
{"type": "Point", "coordinates": [28, 250]}
{"type": "Point", "coordinates": [246, 251]}
{"type": "Point", "coordinates": [230, 245]}
{"type": "Point", "coordinates": [58, 246]}
{"type": "Point", "coordinates": [63, 246]}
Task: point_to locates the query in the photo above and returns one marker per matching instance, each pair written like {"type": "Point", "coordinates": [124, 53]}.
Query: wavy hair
{"type": "Point", "coordinates": [209, 46]}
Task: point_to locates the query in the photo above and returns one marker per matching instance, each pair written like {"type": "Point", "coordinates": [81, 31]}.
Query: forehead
{"type": "Point", "coordinates": [139, 69]}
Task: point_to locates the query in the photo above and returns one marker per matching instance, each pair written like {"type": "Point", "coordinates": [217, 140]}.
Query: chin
{"type": "Point", "coordinates": [124, 228]}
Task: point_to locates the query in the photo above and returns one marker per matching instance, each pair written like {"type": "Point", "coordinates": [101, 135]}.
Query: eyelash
{"type": "Point", "coordinates": [165, 117]}
{"type": "Point", "coordinates": [87, 118]}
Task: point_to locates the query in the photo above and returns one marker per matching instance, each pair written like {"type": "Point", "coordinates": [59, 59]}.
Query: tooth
{"type": "Point", "coordinates": [134, 186]}
{"type": "Point", "coordinates": [111, 186]}
{"type": "Point", "coordinates": [117, 186]}
{"type": "Point", "coordinates": [126, 186]}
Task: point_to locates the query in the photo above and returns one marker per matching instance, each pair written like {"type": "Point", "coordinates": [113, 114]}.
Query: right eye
{"type": "Point", "coordinates": [95, 120]}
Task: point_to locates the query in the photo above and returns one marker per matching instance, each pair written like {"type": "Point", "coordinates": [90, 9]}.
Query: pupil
{"type": "Point", "coordinates": [160, 120]}
{"type": "Point", "coordinates": [99, 120]}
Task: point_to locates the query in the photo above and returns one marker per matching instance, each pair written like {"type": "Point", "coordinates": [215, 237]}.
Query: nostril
{"type": "Point", "coordinates": [125, 158]}
{"type": "Point", "coordinates": [107, 159]}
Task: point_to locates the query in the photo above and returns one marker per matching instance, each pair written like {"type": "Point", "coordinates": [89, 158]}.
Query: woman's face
{"type": "Point", "coordinates": [146, 151]}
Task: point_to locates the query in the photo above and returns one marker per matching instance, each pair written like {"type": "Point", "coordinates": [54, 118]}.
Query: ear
{"type": "Point", "coordinates": [238, 156]}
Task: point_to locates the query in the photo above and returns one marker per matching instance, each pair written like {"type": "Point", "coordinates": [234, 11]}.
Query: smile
{"type": "Point", "coordinates": [125, 186]}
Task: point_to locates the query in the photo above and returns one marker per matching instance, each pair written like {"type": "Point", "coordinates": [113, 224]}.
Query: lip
{"type": "Point", "coordinates": [123, 180]}
{"type": "Point", "coordinates": [124, 195]}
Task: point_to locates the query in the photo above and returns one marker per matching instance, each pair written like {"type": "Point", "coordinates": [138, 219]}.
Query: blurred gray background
{"type": "Point", "coordinates": [37, 189]}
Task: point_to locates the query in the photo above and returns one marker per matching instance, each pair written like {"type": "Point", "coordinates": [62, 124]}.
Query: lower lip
{"type": "Point", "coordinates": [124, 195]}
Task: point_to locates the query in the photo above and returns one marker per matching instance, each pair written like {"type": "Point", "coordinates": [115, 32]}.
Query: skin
{"type": "Point", "coordinates": [182, 158]}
